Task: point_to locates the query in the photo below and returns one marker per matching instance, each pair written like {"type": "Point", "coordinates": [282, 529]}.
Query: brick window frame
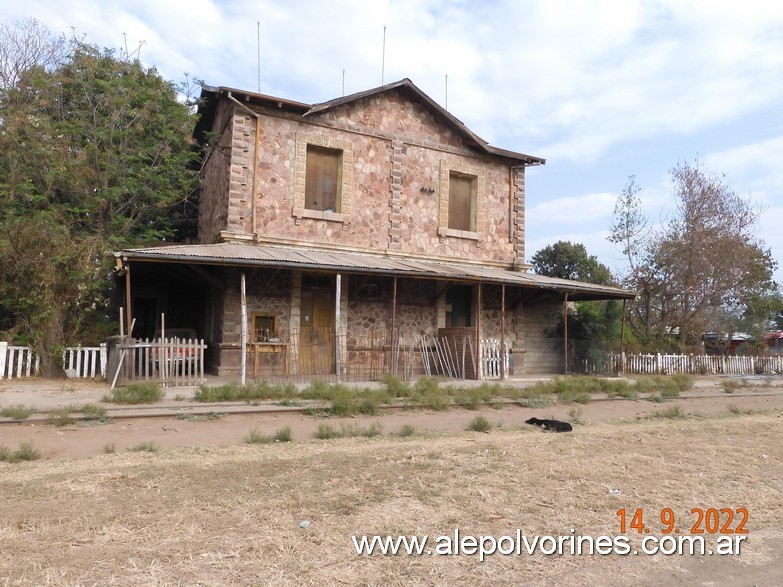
{"type": "Point", "coordinates": [447, 167]}
{"type": "Point", "coordinates": [346, 177]}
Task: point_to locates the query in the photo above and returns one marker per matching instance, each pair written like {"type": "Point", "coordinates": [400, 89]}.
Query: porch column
{"type": "Point", "coordinates": [243, 336]}
{"type": "Point", "coordinates": [393, 320]}
{"type": "Point", "coordinates": [337, 328]}
{"type": "Point", "coordinates": [622, 341]}
{"type": "Point", "coordinates": [479, 374]}
{"type": "Point", "coordinates": [128, 319]}
{"type": "Point", "coordinates": [503, 332]}
{"type": "Point", "coordinates": [565, 331]}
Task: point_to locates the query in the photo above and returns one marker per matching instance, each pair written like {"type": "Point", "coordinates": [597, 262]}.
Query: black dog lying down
{"type": "Point", "coordinates": [550, 425]}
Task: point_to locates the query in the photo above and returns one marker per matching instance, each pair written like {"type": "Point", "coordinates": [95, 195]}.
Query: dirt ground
{"type": "Point", "coordinates": [212, 510]}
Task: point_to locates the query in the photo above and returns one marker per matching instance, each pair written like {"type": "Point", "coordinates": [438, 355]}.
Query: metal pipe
{"type": "Point", "coordinates": [243, 336]}
{"type": "Point", "coordinates": [478, 332]}
{"type": "Point", "coordinates": [622, 341]}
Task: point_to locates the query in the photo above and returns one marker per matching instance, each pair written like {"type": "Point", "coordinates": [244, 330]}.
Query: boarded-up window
{"type": "Point", "coordinates": [323, 179]}
{"type": "Point", "coordinates": [459, 306]}
{"type": "Point", "coordinates": [462, 201]}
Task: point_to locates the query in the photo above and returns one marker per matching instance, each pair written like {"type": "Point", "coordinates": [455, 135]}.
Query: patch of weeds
{"type": "Point", "coordinates": [109, 448]}
{"type": "Point", "coordinates": [582, 398]}
{"type": "Point", "coordinates": [147, 446]}
{"type": "Point", "coordinates": [59, 417]}
{"type": "Point", "coordinates": [288, 403]}
{"type": "Point", "coordinates": [656, 399]}
{"type": "Point", "coordinates": [627, 393]}
{"type": "Point", "coordinates": [407, 430]}
{"type": "Point", "coordinates": [315, 411]}
{"type": "Point", "coordinates": [672, 413]}
{"type": "Point", "coordinates": [207, 416]}
{"type": "Point", "coordinates": [326, 432]}
{"type": "Point", "coordinates": [534, 402]}
{"type": "Point", "coordinates": [373, 430]}
{"type": "Point", "coordinates": [480, 424]}
{"type": "Point", "coordinates": [17, 412]}
{"type": "Point", "coordinates": [576, 415]}
{"type": "Point", "coordinates": [25, 452]}
{"type": "Point", "coordinates": [395, 387]}
{"type": "Point", "coordinates": [179, 397]}
{"type": "Point", "coordinates": [234, 392]}
{"type": "Point", "coordinates": [343, 405]}
{"type": "Point", "coordinates": [135, 393]}
{"type": "Point", "coordinates": [283, 435]}
{"type": "Point", "coordinates": [255, 436]}
{"type": "Point", "coordinates": [683, 381]}
{"type": "Point", "coordinates": [729, 385]}
{"type": "Point", "coordinates": [94, 413]}
{"type": "Point", "coordinates": [737, 411]}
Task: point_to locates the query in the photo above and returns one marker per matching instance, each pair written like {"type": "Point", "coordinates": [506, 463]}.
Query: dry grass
{"type": "Point", "coordinates": [231, 516]}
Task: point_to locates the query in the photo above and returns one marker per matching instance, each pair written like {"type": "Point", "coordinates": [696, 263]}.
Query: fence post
{"type": "Point", "coordinates": [3, 357]}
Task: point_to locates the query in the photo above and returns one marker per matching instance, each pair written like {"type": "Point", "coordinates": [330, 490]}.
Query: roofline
{"type": "Point", "coordinates": [576, 291]}
{"type": "Point", "coordinates": [405, 84]}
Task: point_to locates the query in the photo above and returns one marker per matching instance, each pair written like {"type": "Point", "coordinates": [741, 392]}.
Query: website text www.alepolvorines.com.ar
{"type": "Point", "coordinates": [520, 544]}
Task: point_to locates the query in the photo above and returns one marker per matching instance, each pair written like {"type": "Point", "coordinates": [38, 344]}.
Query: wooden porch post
{"type": "Point", "coordinates": [565, 331]}
{"type": "Point", "coordinates": [478, 334]}
{"type": "Point", "coordinates": [243, 336]}
{"type": "Point", "coordinates": [128, 318]}
{"type": "Point", "coordinates": [503, 332]}
{"type": "Point", "coordinates": [337, 329]}
{"type": "Point", "coordinates": [622, 341]}
{"type": "Point", "coordinates": [393, 320]}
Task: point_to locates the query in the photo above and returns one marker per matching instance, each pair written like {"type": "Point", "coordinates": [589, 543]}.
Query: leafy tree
{"type": "Point", "coordinates": [703, 270]}
{"type": "Point", "coordinates": [95, 154]}
{"type": "Point", "coordinates": [568, 260]}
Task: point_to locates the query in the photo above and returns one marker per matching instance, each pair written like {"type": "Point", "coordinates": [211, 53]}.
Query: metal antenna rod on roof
{"type": "Point", "coordinates": [343, 81]}
{"type": "Point", "coordinates": [258, 46]}
{"type": "Point", "coordinates": [383, 57]}
{"type": "Point", "coordinates": [447, 92]}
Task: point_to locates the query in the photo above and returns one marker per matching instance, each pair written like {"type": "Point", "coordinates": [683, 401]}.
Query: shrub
{"type": "Point", "coordinates": [109, 448]}
{"type": "Point", "coordinates": [729, 385]}
{"type": "Point", "coordinates": [255, 436]}
{"type": "Point", "coordinates": [17, 412]}
{"type": "Point", "coordinates": [326, 432]}
{"type": "Point", "coordinates": [135, 393]}
{"type": "Point", "coordinates": [480, 424]}
{"type": "Point", "coordinates": [283, 435]}
{"type": "Point", "coordinates": [683, 381]}
{"type": "Point", "coordinates": [59, 417]}
{"type": "Point", "coordinates": [395, 386]}
{"type": "Point", "coordinates": [26, 452]}
{"type": "Point", "coordinates": [672, 413]}
{"type": "Point", "coordinates": [148, 446]}
{"type": "Point", "coordinates": [407, 430]}
{"type": "Point", "coordinates": [94, 412]}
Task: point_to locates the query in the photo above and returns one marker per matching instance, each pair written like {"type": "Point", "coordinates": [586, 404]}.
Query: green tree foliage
{"type": "Point", "coordinates": [703, 270]}
{"type": "Point", "coordinates": [95, 154]}
{"type": "Point", "coordinates": [568, 260]}
{"type": "Point", "coordinates": [593, 327]}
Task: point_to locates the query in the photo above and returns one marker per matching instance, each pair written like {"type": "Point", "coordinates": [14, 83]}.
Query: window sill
{"type": "Point", "coordinates": [321, 215]}
{"type": "Point", "coordinates": [443, 231]}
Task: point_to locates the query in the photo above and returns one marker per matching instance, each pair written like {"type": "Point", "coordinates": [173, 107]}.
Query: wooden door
{"type": "Point", "coordinates": [316, 338]}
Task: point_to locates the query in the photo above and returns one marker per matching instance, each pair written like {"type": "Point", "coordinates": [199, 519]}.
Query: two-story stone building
{"type": "Point", "coordinates": [350, 237]}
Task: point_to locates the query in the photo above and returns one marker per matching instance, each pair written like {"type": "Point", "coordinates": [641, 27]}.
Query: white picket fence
{"type": "Point", "coordinates": [17, 362]}
{"type": "Point", "coordinates": [491, 357]}
{"type": "Point", "coordinates": [662, 364]}
{"type": "Point", "coordinates": [170, 361]}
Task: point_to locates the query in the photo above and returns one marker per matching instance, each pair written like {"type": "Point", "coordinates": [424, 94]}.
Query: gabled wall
{"type": "Point", "coordinates": [396, 156]}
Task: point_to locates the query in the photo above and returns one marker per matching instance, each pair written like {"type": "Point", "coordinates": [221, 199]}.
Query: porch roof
{"type": "Point", "coordinates": [313, 259]}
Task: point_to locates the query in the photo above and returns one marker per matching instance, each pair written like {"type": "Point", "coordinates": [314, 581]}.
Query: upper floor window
{"type": "Point", "coordinates": [462, 201]}
{"type": "Point", "coordinates": [461, 196]}
{"type": "Point", "coordinates": [323, 179]}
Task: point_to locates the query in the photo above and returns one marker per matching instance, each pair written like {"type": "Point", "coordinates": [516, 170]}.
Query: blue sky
{"type": "Point", "coordinates": [602, 90]}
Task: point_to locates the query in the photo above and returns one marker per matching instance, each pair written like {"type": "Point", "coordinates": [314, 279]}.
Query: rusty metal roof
{"type": "Point", "coordinates": [306, 258]}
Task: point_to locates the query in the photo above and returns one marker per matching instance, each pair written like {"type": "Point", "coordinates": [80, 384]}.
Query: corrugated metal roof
{"type": "Point", "coordinates": [231, 254]}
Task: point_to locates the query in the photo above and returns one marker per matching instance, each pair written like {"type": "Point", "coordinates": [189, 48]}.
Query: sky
{"type": "Point", "coordinates": [603, 90]}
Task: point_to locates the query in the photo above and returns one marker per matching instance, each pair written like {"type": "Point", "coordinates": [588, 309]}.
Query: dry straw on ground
{"type": "Point", "coordinates": [230, 516]}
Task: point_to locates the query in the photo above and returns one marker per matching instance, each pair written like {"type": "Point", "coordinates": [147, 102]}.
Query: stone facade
{"type": "Point", "coordinates": [397, 157]}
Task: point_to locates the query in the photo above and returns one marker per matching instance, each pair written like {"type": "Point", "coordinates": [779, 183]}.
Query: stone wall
{"type": "Point", "coordinates": [213, 197]}
{"type": "Point", "coordinates": [535, 349]}
{"type": "Point", "coordinates": [398, 154]}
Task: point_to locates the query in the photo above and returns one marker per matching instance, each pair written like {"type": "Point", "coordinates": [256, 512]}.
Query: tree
{"type": "Point", "coordinates": [95, 154]}
{"type": "Point", "coordinates": [703, 270]}
{"type": "Point", "coordinates": [567, 260]}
